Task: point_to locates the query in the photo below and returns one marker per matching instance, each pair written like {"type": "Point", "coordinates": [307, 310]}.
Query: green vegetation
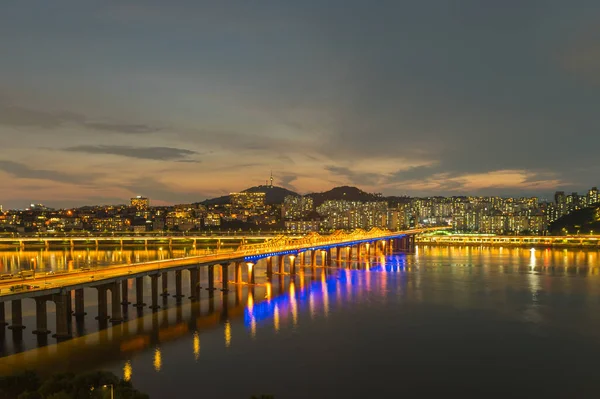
{"type": "Point", "coordinates": [582, 221]}
{"type": "Point", "coordinates": [95, 385]}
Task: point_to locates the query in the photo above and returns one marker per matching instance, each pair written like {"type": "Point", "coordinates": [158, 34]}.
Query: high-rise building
{"type": "Point", "coordinates": [295, 208]}
{"type": "Point", "coordinates": [247, 200]}
{"type": "Point", "coordinates": [592, 197]}
{"type": "Point", "coordinates": [140, 203]}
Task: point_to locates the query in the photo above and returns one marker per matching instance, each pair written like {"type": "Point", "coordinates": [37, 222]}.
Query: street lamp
{"type": "Point", "coordinates": [112, 393]}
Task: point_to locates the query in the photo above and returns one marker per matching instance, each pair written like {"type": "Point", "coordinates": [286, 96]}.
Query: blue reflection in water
{"type": "Point", "coordinates": [316, 293]}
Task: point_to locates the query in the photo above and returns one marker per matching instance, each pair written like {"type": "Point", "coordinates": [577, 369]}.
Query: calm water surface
{"type": "Point", "coordinates": [476, 322]}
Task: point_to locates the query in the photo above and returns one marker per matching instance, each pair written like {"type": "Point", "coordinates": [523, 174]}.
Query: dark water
{"type": "Point", "coordinates": [474, 322]}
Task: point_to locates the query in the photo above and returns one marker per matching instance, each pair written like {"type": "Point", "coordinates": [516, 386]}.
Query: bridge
{"type": "Point", "coordinates": [62, 288]}
{"type": "Point", "coordinates": [587, 241]}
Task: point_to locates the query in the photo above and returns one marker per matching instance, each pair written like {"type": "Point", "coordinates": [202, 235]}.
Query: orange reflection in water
{"type": "Point", "coordinates": [196, 345]}
{"type": "Point", "coordinates": [157, 359]}
{"type": "Point", "coordinates": [227, 334]}
{"type": "Point", "coordinates": [127, 371]}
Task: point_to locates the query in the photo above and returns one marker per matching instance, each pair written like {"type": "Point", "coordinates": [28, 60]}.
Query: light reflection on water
{"type": "Point", "coordinates": [441, 294]}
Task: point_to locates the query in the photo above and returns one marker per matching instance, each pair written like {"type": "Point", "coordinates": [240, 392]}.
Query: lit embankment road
{"type": "Point", "coordinates": [591, 241]}
{"type": "Point", "coordinates": [51, 284]}
{"type": "Point", "coordinates": [12, 240]}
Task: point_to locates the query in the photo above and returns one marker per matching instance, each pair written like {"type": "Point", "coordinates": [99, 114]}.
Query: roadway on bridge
{"type": "Point", "coordinates": [100, 274]}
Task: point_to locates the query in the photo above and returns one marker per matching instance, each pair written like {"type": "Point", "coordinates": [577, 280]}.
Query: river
{"type": "Point", "coordinates": [469, 321]}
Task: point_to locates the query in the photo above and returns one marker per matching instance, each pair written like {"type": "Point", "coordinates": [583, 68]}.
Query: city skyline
{"type": "Point", "coordinates": [544, 197]}
{"type": "Point", "coordinates": [183, 101]}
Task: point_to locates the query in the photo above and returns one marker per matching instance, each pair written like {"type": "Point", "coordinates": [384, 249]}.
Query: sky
{"type": "Point", "coordinates": [183, 100]}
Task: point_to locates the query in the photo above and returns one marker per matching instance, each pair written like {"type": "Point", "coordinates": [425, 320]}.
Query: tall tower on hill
{"type": "Point", "coordinates": [271, 179]}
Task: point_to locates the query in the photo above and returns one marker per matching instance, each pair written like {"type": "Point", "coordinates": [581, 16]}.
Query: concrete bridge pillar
{"type": "Point", "coordinates": [301, 260]}
{"type": "Point", "coordinates": [62, 324]}
{"type": "Point", "coordinates": [269, 266]}
{"type": "Point", "coordinates": [338, 256]}
{"type": "Point", "coordinates": [17, 315]}
{"type": "Point", "coordinates": [3, 322]}
{"type": "Point", "coordinates": [313, 258]}
{"type": "Point", "coordinates": [116, 316]}
{"type": "Point", "coordinates": [292, 260]}
{"type": "Point", "coordinates": [328, 257]}
{"type": "Point", "coordinates": [41, 316]}
{"type": "Point", "coordinates": [280, 259]}
{"type": "Point", "coordinates": [69, 302]}
{"type": "Point", "coordinates": [211, 280]}
{"type": "Point", "coordinates": [79, 304]}
{"type": "Point", "coordinates": [194, 283]}
{"type": "Point", "coordinates": [154, 291]}
{"type": "Point", "coordinates": [125, 292]}
{"type": "Point", "coordinates": [102, 303]}
{"type": "Point", "coordinates": [47, 244]}
{"type": "Point", "coordinates": [251, 279]}
{"type": "Point", "coordinates": [164, 279]}
{"type": "Point", "coordinates": [225, 279]}
{"type": "Point", "coordinates": [178, 281]}
{"type": "Point", "coordinates": [238, 272]}
{"type": "Point", "coordinates": [139, 292]}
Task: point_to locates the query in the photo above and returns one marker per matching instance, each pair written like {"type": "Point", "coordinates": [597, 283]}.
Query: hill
{"type": "Point", "coordinates": [583, 220]}
{"type": "Point", "coordinates": [344, 193]}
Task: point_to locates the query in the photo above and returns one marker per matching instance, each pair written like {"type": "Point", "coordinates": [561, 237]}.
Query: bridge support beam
{"type": "Point", "coordinates": [238, 272]}
{"type": "Point", "coordinates": [301, 259]}
{"type": "Point", "coordinates": [3, 322]}
{"type": "Point", "coordinates": [281, 267]}
{"type": "Point", "coordinates": [139, 292]}
{"type": "Point", "coordinates": [178, 281]}
{"type": "Point", "coordinates": [313, 258]}
{"type": "Point", "coordinates": [338, 256]}
{"type": "Point", "coordinates": [164, 279]}
{"type": "Point", "coordinates": [194, 283]}
{"type": "Point", "coordinates": [62, 324]}
{"type": "Point", "coordinates": [154, 291]}
{"type": "Point", "coordinates": [17, 315]}
{"type": "Point", "coordinates": [41, 316]}
{"type": "Point", "coordinates": [102, 303]}
{"type": "Point", "coordinates": [125, 292]}
{"type": "Point", "coordinates": [269, 266]}
{"type": "Point", "coordinates": [79, 303]}
{"type": "Point", "coordinates": [292, 260]}
{"type": "Point", "coordinates": [211, 281]}
{"type": "Point", "coordinates": [225, 279]}
{"type": "Point", "coordinates": [116, 314]}
{"type": "Point", "coordinates": [251, 279]}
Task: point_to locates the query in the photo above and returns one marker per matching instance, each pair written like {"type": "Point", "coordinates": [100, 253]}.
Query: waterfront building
{"type": "Point", "coordinates": [140, 203]}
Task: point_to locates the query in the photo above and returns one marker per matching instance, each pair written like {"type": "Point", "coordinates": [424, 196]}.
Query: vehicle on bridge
{"type": "Point", "coordinates": [26, 274]}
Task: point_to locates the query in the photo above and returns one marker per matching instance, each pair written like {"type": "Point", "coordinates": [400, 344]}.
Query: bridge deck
{"type": "Point", "coordinates": [53, 284]}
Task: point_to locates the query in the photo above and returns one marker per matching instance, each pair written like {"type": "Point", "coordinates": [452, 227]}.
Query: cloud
{"type": "Point", "coordinates": [285, 180]}
{"type": "Point", "coordinates": [12, 115]}
{"type": "Point", "coordinates": [122, 128]}
{"type": "Point", "coordinates": [153, 153]}
{"type": "Point", "coordinates": [18, 116]}
{"type": "Point", "coordinates": [23, 171]}
{"type": "Point", "coordinates": [354, 177]}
